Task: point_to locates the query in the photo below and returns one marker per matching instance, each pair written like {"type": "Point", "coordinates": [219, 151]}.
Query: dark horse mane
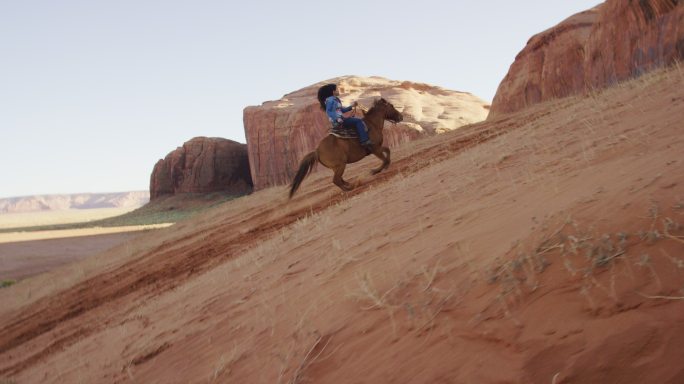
{"type": "Point", "coordinates": [376, 105]}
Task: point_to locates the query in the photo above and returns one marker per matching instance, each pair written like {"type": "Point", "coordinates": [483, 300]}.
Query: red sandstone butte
{"type": "Point", "coordinates": [203, 165]}
{"type": "Point", "coordinates": [591, 50]}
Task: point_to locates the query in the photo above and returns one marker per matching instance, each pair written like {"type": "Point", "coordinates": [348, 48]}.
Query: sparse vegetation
{"type": "Point", "coordinates": [585, 256]}
{"type": "Point", "coordinates": [5, 284]}
{"type": "Point", "coordinates": [313, 354]}
{"type": "Point", "coordinates": [165, 211]}
{"type": "Point", "coordinates": [370, 293]}
{"type": "Point", "coordinates": [224, 364]}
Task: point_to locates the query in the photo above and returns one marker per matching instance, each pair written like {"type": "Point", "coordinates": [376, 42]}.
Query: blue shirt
{"type": "Point", "coordinates": [334, 110]}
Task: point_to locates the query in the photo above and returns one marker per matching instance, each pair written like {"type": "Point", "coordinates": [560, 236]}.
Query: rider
{"type": "Point", "coordinates": [328, 97]}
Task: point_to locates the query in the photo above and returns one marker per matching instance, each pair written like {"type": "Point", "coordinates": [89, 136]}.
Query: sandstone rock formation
{"type": "Point", "coordinates": [279, 133]}
{"type": "Point", "coordinates": [203, 165]}
{"type": "Point", "coordinates": [593, 49]}
{"type": "Point", "coordinates": [39, 203]}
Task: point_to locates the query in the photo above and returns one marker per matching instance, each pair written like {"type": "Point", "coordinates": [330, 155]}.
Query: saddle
{"type": "Point", "coordinates": [349, 132]}
{"type": "Point", "coordinates": [344, 132]}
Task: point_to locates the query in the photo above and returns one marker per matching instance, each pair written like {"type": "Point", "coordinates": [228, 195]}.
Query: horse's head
{"type": "Point", "coordinates": [389, 112]}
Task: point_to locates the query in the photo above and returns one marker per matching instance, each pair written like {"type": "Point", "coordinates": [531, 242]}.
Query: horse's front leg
{"type": "Point", "coordinates": [384, 155]}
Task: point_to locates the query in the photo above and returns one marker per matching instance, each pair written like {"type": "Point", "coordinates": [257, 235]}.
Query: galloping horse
{"type": "Point", "coordinates": [335, 153]}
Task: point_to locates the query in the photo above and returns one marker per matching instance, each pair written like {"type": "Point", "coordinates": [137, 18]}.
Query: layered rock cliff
{"type": "Point", "coordinates": [614, 41]}
{"type": "Point", "coordinates": [38, 203]}
{"type": "Point", "coordinates": [279, 133]}
{"type": "Point", "coordinates": [203, 165]}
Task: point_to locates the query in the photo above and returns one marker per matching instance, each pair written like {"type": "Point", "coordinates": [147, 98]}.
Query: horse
{"type": "Point", "coordinates": [335, 153]}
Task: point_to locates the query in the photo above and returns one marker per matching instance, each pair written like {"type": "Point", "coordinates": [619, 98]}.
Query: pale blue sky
{"type": "Point", "coordinates": [93, 93]}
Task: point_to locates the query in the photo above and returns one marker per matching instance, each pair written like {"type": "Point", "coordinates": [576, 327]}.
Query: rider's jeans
{"type": "Point", "coordinates": [355, 122]}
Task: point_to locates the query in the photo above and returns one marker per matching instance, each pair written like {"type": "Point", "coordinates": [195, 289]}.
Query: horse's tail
{"type": "Point", "coordinates": [305, 167]}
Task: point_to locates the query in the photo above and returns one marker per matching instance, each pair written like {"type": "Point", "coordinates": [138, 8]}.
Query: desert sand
{"type": "Point", "coordinates": [24, 254]}
{"type": "Point", "coordinates": [52, 217]}
{"type": "Point", "coordinates": [544, 246]}
{"type": "Point", "coordinates": [14, 237]}
{"type": "Point", "coordinates": [27, 253]}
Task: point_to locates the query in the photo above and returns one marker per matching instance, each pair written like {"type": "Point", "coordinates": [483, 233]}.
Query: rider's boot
{"type": "Point", "coordinates": [368, 146]}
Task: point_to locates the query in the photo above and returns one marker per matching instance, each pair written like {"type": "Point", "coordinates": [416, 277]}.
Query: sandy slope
{"type": "Point", "coordinates": [543, 247]}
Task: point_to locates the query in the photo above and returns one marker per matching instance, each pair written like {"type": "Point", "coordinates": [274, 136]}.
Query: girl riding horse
{"type": "Point", "coordinates": [328, 97]}
{"type": "Point", "coordinates": [335, 153]}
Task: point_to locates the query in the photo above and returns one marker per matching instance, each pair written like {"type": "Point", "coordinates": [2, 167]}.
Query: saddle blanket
{"type": "Point", "coordinates": [344, 133]}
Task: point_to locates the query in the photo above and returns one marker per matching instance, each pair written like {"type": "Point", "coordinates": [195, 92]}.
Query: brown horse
{"type": "Point", "coordinates": [335, 153]}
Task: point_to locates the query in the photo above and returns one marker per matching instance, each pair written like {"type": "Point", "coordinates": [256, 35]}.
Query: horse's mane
{"type": "Point", "coordinates": [375, 104]}
{"type": "Point", "coordinates": [377, 101]}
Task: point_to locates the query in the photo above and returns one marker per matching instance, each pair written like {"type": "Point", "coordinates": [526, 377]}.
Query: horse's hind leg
{"type": "Point", "coordinates": [338, 180]}
{"type": "Point", "coordinates": [384, 155]}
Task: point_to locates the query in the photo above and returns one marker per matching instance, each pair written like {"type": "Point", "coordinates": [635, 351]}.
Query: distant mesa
{"type": "Point", "coordinates": [280, 132]}
{"type": "Point", "coordinates": [39, 203]}
{"type": "Point", "coordinates": [591, 50]}
{"type": "Point", "coordinates": [203, 165]}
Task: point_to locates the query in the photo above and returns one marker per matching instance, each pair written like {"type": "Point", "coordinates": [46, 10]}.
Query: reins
{"type": "Point", "coordinates": [358, 106]}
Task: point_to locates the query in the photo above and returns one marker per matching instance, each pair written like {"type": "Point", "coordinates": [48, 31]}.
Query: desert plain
{"type": "Point", "coordinates": [24, 253]}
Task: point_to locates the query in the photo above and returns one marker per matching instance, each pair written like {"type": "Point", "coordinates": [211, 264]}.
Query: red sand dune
{"type": "Point", "coordinates": [540, 247]}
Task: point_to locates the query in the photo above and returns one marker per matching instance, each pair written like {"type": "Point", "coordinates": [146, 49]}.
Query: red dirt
{"type": "Point", "coordinates": [542, 247]}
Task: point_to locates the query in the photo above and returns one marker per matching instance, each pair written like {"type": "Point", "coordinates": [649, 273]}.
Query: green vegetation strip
{"type": "Point", "coordinates": [171, 210]}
